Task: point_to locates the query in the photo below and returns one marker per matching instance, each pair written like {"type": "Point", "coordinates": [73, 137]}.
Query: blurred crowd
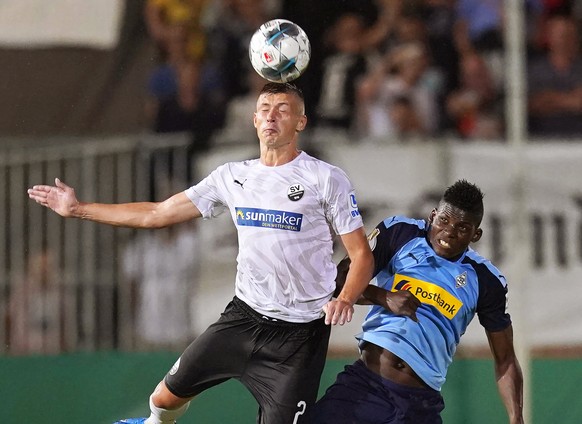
{"type": "Point", "coordinates": [390, 70]}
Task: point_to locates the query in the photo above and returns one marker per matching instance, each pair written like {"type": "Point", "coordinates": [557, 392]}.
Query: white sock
{"type": "Point", "coordinates": [165, 416]}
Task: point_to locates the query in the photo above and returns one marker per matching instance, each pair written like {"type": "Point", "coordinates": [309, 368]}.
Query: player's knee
{"type": "Point", "coordinates": [169, 412]}
{"type": "Point", "coordinates": [164, 399]}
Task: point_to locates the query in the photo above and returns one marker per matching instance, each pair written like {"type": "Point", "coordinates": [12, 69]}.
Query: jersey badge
{"type": "Point", "coordinates": [461, 280]}
{"type": "Point", "coordinates": [295, 192]}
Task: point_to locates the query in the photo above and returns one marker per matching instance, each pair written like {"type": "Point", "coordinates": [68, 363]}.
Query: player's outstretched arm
{"type": "Point", "coordinates": [507, 373]}
{"type": "Point", "coordinates": [341, 309]}
{"type": "Point", "coordinates": [400, 302]}
{"type": "Point", "coordinates": [62, 199]}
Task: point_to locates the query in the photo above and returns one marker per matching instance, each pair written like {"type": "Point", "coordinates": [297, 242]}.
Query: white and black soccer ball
{"type": "Point", "coordinates": [280, 51]}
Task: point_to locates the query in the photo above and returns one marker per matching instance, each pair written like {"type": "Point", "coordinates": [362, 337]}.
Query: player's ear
{"type": "Point", "coordinates": [301, 124]}
{"type": "Point", "coordinates": [431, 215]}
{"type": "Point", "coordinates": [477, 235]}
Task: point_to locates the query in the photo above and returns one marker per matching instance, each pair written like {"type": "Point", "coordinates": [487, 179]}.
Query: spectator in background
{"type": "Point", "coordinates": [162, 16]}
{"type": "Point", "coordinates": [479, 25]}
{"type": "Point", "coordinates": [475, 108]}
{"type": "Point", "coordinates": [351, 44]}
{"type": "Point", "coordinates": [316, 17]}
{"type": "Point", "coordinates": [237, 127]}
{"type": "Point", "coordinates": [439, 18]}
{"type": "Point", "coordinates": [405, 119]}
{"type": "Point", "coordinates": [540, 11]}
{"type": "Point", "coordinates": [230, 29]}
{"type": "Point", "coordinates": [407, 28]}
{"type": "Point", "coordinates": [555, 83]}
{"type": "Point", "coordinates": [404, 72]}
{"type": "Point", "coordinates": [175, 88]}
{"type": "Point", "coordinates": [479, 28]}
{"type": "Point", "coordinates": [36, 312]}
{"type": "Point", "coordinates": [340, 71]}
{"type": "Point", "coordinates": [162, 267]}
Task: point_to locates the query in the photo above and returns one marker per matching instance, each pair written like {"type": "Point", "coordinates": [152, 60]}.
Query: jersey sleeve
{"type": "Point", "coordinates": [492, 303]}
{"type": "Point", "coordinates": [207, 195]}
{"type": "Point", "coordinates": [341, 206]}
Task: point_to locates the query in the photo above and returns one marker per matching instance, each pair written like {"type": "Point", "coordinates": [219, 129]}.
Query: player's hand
{"type": "Point", "coordinates": [60, 198]}
{"type": "Point", "coordinates": [338, 312]}
{"type": "Point", "coordinates": [402, 303]}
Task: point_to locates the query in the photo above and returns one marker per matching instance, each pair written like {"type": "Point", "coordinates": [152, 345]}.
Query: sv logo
{"type": "Point", "coordinates": [295, 192]}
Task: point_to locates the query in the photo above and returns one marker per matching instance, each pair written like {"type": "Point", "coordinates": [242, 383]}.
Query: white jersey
{"type": "Point", "coordinates": [286, 217]}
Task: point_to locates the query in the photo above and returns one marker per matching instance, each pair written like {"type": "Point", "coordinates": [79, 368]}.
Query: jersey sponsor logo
{"type": "Point", "coordinates": [295, 192]}
{"type": "Point", "coordinates": [353, 206]}
{"type": "Point", "coordinates": [269, 218]}
{"type": "Point", "coordinates": [430, 294]}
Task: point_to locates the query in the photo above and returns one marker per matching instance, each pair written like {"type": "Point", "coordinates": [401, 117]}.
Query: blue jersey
{"type": "Point", "coordinates": [451, 293]}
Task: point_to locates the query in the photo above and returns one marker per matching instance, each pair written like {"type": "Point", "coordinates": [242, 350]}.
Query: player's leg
{"type": "Point", "coordinates": [351, 393]}
{"type": "Point", "coordinates": [285, 370]}
{"type": "Point", "coordinates": [212, 358]}
{"type": "Point", "coordinates": [218, 354]}
{"type": "Point", "coordinates": [166, 407]}
{"type": "Point", "coordinates": [359, 396]}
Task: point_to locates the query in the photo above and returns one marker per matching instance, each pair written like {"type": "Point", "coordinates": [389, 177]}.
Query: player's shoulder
{"type": "Point", "coordinates": [320, 169]}
{"type": "Point", "coordinates": [395, 232]}
{"type": "Point", "coordinates": [237, 165]}
{"type": "Point", "coordinates": [405, 222]}
{"type": "Point", "coordinates": [485, 269]}
{"type": "Point", "coordinates": [305, 159]}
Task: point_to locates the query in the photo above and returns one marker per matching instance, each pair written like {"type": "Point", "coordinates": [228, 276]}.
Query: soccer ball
{"type": "Point", "coordinates": [279, 51]}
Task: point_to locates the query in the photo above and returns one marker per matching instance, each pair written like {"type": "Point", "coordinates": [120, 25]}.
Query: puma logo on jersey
{"type": "Point", "coordinates": [239, 183]}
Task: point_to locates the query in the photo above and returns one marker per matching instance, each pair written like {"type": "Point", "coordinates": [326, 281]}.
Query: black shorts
{"type": "Point", "coordinates": [279, 362]}
{"type": "Point", "coordinates": [360, 396]}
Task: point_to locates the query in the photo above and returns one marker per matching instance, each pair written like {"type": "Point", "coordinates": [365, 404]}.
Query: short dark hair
{"type": "Point", "coordinates": [285, 88]}
{"type": "Point", "coordinates": [465, 196]}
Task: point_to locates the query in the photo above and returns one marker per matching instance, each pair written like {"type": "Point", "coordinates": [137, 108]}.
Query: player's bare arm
{"type": "Point", "coordinates": [401, 302]}
{"type": "Point", "coordinates": [341, 309]}
{"type": "Point", "coordinates": [62, 199]}
{"type": "Point", "coordinates": [507, 373]}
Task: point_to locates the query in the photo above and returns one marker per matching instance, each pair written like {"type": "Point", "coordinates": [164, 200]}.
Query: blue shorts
{"type": "Point", "coordinates": [360, 396]}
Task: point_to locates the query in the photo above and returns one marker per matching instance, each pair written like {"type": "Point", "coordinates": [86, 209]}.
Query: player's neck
{"type": "Point", "coordinates": [278, 156]}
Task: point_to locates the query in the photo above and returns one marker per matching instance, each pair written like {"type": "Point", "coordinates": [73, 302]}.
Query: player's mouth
{"type": "Point", "coordinates": [443, 243]}
{"type": "Point", "coordinates": [270, 130]}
